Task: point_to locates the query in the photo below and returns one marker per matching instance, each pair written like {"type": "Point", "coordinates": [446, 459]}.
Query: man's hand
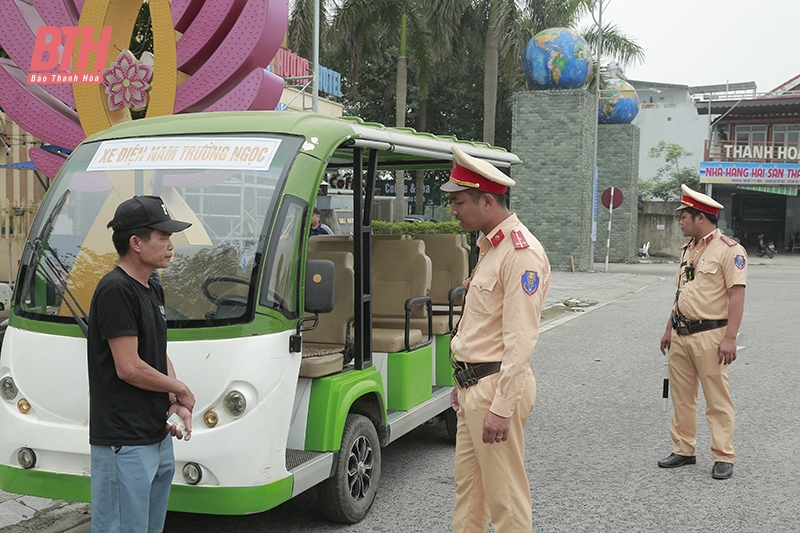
{"type": "Point", "coordinates": [186, 414]}
{"type": "Point", "coordinates": [726, 352]}
{"type": "Point", "coordinates": [495, 428]}
{"type": "Point", "coordinates": [186, 397]}
{"type": "Point", "coordinates": [454, 399]}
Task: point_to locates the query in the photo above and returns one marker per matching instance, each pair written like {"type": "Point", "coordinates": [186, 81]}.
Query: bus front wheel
{"type": "Point", "coordinates": [347, 496]}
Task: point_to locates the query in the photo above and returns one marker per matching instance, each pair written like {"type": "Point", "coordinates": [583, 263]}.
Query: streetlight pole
{"type": "Point", "coordinates": [315, 75]}
{"type": "Point", "coordinates": [593, 236]}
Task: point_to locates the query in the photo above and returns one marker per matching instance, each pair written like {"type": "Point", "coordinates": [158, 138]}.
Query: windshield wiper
{"type": "Point", "coordinates": [36, 247]}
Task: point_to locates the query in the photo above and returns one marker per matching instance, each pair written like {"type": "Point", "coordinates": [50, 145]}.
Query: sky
{"type": "Point", "coordinates": [707, 42]}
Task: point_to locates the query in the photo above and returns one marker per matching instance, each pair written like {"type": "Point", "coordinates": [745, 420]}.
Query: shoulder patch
{"type": "Point", "coordinates": [519, 239]}
{"type": "Point", "coordinates": [727, 240]}
{"type": "Point", "coordinates": [530, 282]}
{"type": "Point", "coordinates": [739, 261]}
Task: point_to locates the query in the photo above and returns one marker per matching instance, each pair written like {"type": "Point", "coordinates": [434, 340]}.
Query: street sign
{"type": "Point", "coordinates": [606, 197]}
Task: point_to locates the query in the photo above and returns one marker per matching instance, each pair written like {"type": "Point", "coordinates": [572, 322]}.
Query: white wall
{"type": "Point", "coordinates": [670, 116]}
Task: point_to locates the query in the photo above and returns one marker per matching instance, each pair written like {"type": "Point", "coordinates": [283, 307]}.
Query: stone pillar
{"type": "Point", "coordinates": [618, 163]}
{"type": "Point", "coordinates": [553, 134]}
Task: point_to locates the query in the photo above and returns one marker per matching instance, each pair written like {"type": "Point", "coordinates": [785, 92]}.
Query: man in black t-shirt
{"type": "Point", "coordinates": [132, 382]}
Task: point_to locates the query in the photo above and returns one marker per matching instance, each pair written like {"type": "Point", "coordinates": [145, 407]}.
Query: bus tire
{"type": "Point", "coordinates": [347, 496]}
{"type": "Point", "coordinates": [451, 422]}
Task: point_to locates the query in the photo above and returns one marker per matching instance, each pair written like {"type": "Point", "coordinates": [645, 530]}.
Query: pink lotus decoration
{"type": "Point", "coordinates": [127, 81]}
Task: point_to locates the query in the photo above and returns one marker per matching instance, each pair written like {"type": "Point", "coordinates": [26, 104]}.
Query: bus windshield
{"type": "Point", "coordinates": [226, 186]}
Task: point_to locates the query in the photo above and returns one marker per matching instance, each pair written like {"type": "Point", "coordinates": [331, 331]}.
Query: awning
{"type": "Point", "coordinates": [785, 190]}
{"type": "Point", "coordinates": [23, 165]}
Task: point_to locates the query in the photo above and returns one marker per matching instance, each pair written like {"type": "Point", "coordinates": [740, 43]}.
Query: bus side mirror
{"type": "Point", "coordinates": [320, 286]}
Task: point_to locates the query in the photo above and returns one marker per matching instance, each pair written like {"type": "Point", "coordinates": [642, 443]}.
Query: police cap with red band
{"type": "Point", "coordinates": [699, 201]}
{"type": "Point", "coordinates": [473, 173]}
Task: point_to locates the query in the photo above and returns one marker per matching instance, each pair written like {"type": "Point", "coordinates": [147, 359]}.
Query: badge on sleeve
{"type": "Point", "coordinates": [739, 261]}
{"type": "Point", "coordinates": [530, 282]}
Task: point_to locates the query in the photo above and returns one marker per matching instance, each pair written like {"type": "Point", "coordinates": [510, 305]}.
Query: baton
{"type": "Point", "coordinates": [665, 389]}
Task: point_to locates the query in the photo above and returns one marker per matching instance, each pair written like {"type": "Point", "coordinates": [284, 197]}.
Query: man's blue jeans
{"type": "Point", "coordinates": [130, 487]}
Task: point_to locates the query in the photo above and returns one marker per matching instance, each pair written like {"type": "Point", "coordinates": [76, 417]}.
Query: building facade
{"type": "Point", "coordinates": [751, 163]}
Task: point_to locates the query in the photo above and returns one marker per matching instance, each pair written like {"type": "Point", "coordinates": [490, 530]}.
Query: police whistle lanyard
{"type": "Point", "coordinates": [689, 270]}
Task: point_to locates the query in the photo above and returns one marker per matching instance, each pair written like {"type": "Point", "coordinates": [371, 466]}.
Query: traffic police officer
{"type": "Point", "coordinates": [492, 350]}
{"type": "Point", "coordinates": [701, 333]}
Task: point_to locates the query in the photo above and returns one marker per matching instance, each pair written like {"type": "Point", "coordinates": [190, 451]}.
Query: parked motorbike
{"type": "Point", "coordinates": [765, 248]}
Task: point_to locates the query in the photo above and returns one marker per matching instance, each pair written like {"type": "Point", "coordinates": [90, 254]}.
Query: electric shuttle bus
{"type": "Point", "coordinates": [306, 354]}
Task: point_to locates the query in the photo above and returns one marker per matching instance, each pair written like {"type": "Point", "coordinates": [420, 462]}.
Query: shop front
{"type": "Point", "coordinates": [752, 166]}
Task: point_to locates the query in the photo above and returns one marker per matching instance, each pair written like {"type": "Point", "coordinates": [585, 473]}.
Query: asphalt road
{"type": "Point", "coordinates": [598, 429]}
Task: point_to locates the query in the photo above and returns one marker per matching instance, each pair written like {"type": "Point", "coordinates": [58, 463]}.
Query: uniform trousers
{"type": "Point", "coordinates": [693, 360]}
{"type": "Point", "coordinates": [491, 482]}
{"type": "Point", "coordinates": [130, 487]}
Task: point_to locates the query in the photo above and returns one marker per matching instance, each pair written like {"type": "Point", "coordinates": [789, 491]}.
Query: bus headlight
{"type": "Point", "coordinates": [8, 389]}
{"type": "Point", "coordinates": [26, 458]}
{"type": "Point", "coordinates": [192, 473]}
{"type": "Point", "coordinates": [234, 403]}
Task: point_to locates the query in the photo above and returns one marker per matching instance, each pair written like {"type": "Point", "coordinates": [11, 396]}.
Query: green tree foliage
{"type": "Point", "coordinates": [666, 184]}
{"type": "Point", "coordinates": [142, 37]}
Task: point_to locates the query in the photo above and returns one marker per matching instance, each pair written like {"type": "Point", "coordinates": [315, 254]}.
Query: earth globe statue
{"type": "Point", "coordinates": [557, 58]}
{"type": "Point", "coordinates": [619, 103]}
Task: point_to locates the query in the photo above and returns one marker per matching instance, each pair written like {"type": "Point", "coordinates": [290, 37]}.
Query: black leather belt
{"type": "Point", "coordinates": [468, 374]}
{"type": "Point", "coordinates": [687, 327]}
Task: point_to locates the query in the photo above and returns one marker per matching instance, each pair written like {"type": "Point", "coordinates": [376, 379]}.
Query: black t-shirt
{"type": "Point", "coordinates": [121, 414]}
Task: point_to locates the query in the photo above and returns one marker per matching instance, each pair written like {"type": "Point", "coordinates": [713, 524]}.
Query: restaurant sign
{"type": "Point", "coordinates": [749, 173]}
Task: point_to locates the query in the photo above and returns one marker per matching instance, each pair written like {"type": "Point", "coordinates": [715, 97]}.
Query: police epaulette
{"type": "Point", "coordinates": [727, 240]}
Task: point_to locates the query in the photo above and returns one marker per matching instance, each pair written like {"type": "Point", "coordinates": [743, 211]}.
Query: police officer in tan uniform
{"type": "Point", "coordinates": [492, 350]}
{"type": "Point", "coordinates": [701, 333]}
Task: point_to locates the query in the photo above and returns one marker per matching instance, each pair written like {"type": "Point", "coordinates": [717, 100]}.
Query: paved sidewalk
{"type": "Point", "coordinates": [570, 294]}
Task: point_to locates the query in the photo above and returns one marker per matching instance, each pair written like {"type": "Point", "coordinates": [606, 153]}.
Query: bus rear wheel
{"type": "Point", "coordinates": [347, 496]}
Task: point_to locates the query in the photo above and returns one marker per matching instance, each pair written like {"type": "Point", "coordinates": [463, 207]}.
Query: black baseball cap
{"type": "Point", "coordinates": [145, 212]}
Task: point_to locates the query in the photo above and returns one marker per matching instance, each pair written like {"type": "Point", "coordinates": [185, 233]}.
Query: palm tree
{"type": "Point", "coordinates": [359, 28]}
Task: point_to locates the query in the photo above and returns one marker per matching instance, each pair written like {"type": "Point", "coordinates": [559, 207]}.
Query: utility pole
{"type": "Point", "coordinates": [595, 176]}
{"type": "Point", "coordinates": [315, 75]}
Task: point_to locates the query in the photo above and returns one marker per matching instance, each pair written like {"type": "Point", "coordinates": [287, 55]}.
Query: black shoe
{"type": "Point", "coordinates": [674, 461]}
{"type": "Point", "coordinates": [722, 470]}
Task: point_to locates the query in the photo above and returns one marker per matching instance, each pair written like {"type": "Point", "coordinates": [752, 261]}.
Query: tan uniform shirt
{"type": "Point", "coordinates": [719, 265]}
{"type": "Point", "coordinates": [501, 313]}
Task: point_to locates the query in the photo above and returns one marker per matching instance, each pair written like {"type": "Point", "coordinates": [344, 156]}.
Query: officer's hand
{"type": "Point", "coordinates": [454, 399]}
{"type": "Point", "coordinates": [495, 428]}
{"type": "Point", "coordinates": [666, 341]}
{"type": "Point", "coordinates": [726, 352]}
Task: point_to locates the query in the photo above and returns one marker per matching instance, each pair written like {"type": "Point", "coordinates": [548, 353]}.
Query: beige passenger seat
{"type": "Point", "coordinates": [450, 263]}
{"type": "Point", "coordinates": [330, 243]}
{"type": "Point", "coordinates": [324, 346]}
{"type": "Point", "coordinates": [401, 271]}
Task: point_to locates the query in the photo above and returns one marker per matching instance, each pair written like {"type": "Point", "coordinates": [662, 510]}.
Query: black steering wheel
{"type": "Point", "coordinates": [221, 300]}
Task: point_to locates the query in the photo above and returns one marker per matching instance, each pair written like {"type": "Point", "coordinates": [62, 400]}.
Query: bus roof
{"type": "Point", "coordinates": [401, 148]}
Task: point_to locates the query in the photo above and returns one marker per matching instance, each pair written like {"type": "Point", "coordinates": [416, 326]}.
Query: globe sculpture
{"type": "Point", "coordinates": [557, 58]}
{"type": "Point", "coordinates": [619, 103]}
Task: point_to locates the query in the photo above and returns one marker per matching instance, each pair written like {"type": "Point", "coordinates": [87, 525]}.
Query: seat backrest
{"type": "Point", "coordinates": [400, 270]}
{"type": "Point", "coordinates": [401, 237]}
{"type": "Point", "coordinates": [449, 262]}
{"type": "Point", "coordinates": [314, 240]}
{"type": "Point", "coordinates": [332, 327]}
